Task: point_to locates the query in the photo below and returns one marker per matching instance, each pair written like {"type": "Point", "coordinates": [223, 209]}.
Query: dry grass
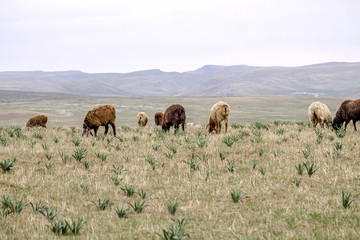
{"type": "Point", "coordinates": [272, 206]}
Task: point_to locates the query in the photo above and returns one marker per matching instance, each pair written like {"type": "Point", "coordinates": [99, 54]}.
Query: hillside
{"type": "Point", "coordinates": [327, 79]}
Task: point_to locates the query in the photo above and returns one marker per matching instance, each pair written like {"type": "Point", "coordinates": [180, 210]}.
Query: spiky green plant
{"type": "Point", "coordinates": [300, 168]}
{"type": "Point", "coordinates": [151, 160]}
{"type": "Point", "coordinates": [102, 156]}
{"type": "Point", "coordinates": [310, 168]}
{"type": "Point", "coordinates": [76, 142]}
{"type": "Point", "coordinates": [7, 164]}
{"type": "Point", "coordinates": [64, 157]}
{"type": "Point", "coordinates": [12, 206]}
{"type": "Point", "coordinates": [172, 207]}
{"type": "Point", "coordinates": [49, 213]}
{"type": "Point", "coordinates": [138, 206]}
{"type": "Point", "coordinates": [176, 231]}
{"type": "Point", "coordinates": [263, 170]}
{"type": "Point", "coordinates": [122, 213]}
{"type": "Point", "coordinates": [222, 155]}
{"type": "Point", "coordinates": [346, 199]}
{"type": "Point", "coordinates": [118, 170]}
{"type": "Point", "coordinates": [230, 165]}
{"type": "Point", "coordinates": [79, 154]}
{"type": "Point", "coordinates": [48, 156]}
{"type": "Point", "coordinates": [142, 193]}
{"type": "Point", "coordinates": [129, 190]}
{"type": "Point", "coordinates": [236, 195]}
{"type": "Point", "coordinates": [102, 205]}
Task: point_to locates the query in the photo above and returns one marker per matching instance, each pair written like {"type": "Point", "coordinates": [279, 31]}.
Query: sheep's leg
{"type": "Point", "coordinates": [106, 129]}
{"type": "Point", "coordinates": [354, 122]}
{"type": "Point", "coordinates": [226, 125]}
{"type": "Point", "coordinates": [114, 128]}
{"type": "Point", "coordinates": [218, 127]}
{"type": "Point", "coordinates": [176, 126]}
{"type": "Point", "coordinates": [346, 123]}
{"type": "Point", "coordinates": [95, 130]}
{"type": "Point", "coordinates": [183, 126]}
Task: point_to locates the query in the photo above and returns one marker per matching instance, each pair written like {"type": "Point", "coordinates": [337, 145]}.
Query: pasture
{"type": "Point", "coordinates": [266, 178]}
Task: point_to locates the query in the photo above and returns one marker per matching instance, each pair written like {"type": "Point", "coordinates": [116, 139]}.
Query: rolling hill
{"type": "Point", "coordinates": [327, 79]}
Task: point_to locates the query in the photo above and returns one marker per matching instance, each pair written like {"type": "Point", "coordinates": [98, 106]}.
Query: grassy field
{"type": "Point", "coordinates": [58, 176]}
{"type": "Point", "coordinates": [69, 110]}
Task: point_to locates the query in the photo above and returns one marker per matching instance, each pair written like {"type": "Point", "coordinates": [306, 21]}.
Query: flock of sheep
{"type": "Point", "coordinates": [348, 110]}
{"type": "Point", "coordinates": [104, 115]}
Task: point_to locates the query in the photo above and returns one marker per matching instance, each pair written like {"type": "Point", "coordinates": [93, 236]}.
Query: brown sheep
{"type": "Point", "coordinates": [319, 113]}
{"type": "Point", "coordinates": [158, 118]}
{"type": "Point", "coordinates": [142, 119]}
{"type": "Point", "coordinates": [99, 116]}
{"type": "Point", "coordinates": [219, 112]}
{"type": "Point", "coordinates": [174, 116]}
{"type": "Point", "coordinates": [347, 111]}
{"type": "Point", "coordinates": [38, 120]}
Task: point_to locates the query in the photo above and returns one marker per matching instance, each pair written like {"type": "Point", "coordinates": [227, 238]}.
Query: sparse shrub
{"type": "Point", "coordinates": [64, 157]}
{"type": "Point", "coordinates": [122, 213]}
{"type": "Point", "coordinates": [340, 133]}
{"type": "Point", "coordinates": [12, 206]}
{"type": "Point", "coordinates": [48, 156]}
{"type": "Point", "coordinates": [138, 206]}
{"type": "Point", "coordinates": [172, 207]}
{"type": "Point", "coordinates": [102, 156]}
{"type": "Point", "coordinates": [236, 195]}
{"type": "Point", "coordinates": [38, 136]}
{"type": "Point", "coordinates": [79, 154]}
{"type": "Point", "coordinates": [223, 155]}
{"type": "Point", "coordinates": [346, 199]}
{"type": "Point", "coordinates": [310, 168]}
{"type": "Point", "coordinates": [56, 139]}
{"type": "Point", "coordinates": [297, 182]}
{"type": "Point", "coordinates": [151, 160]}
{"type": "Point", "coordinates": [260, 125]}
{"type": "Point", "coordinates": [103, 204]}
{"type": "Point", "coordinates": [118, 170]}
{"type": "Point", "coordinates": [281, 131]}
{"type": "Point", "coordinates": [156, 147]}
{"type": "Point", "coordinates": [254, 163]}
{"type": "Point", "coordinates": [62, 227]}
{"type": "Point", "coordinates": [263, 171]}
{"type": "Point", "coordinates": [307, 151]}
{"type": "Point", "coordinates": [142, 194]}
{"type": "Point", "coordinates": [76, 142]}
{"type": "Point", "coordinates": [320, 136]}
{"type": "Point", "coordinates": [193, 164]}
{"type": "Point", "coordinates": [230, 140]}
{"type": "Point", "coordinates": [236, 125]}
{"type": "Point", "coordinates": [230, 166]}
{"type": "Point", "coordinates": [300, 168]}
{"type": "Point", "coordinates": [129, 190]}
{"type": "Point", "coordinates": [48, 165]}
{"type": "Point", "coordinates": [7, 164]}
{"type": "Point", "coordinates": [175, 231]}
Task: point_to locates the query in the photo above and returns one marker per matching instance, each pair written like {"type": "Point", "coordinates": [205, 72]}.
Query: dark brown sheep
{"type": "Point", "coordinates": [158, 118]}
{"type": "Point", "coordinates": [347, 111]}
{"type": "Point", "coordinates": [38, 120]}
{"type": "Point", "coordinates": [174, 116]}
{"type": "Point", "coordinates": [100, 116]}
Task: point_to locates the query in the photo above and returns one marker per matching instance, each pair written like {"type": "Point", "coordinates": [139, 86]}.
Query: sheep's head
{"type": "Point", "coordinates": [86, 130]}
{"type": "Point", "coordinates": [336, 123]}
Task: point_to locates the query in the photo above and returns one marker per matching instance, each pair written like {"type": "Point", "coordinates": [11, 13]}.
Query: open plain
{"type": "Point", "coordinates": [271, 176]}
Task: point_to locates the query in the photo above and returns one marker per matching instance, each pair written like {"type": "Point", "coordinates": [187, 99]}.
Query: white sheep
{"type": "Point", "coordinates": [319, 113]}
{"type": "Point", "coordinates": [142, 119]}
{"type": "Point", "coordinates": [219, 112]}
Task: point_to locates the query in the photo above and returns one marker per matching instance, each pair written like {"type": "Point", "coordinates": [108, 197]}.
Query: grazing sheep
{"type": "Point", "coordinates": [319, 113]}
{"type": "Point", "coordinates": [219, 112]}
{"type": "Point", "coordinates": [347, 111]}
{"type": "Point", "coordinates": [38, 120]}
{"type": "Point", "coordinates": [142, 119]}
{"type": "Point", "coordinates": [174, 116]}
{"type": "Point", "coordinates": [158, 118]}
{"type": "Point", "coordinates": [99, 116]}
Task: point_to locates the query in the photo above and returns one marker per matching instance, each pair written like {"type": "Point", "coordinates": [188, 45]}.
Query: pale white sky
{"type": "Point", "coordinates": [124, 36]}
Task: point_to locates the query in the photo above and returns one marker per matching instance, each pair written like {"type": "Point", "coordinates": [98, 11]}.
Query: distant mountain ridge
{"type": "Point", "coordinates": [333, 79]}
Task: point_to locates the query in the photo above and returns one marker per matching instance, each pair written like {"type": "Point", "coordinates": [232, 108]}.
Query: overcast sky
{"type": "Point", "coordinates": [124, 36]}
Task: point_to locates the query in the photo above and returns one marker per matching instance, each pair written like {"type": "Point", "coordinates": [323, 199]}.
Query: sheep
{"type": "Point", "coordinates": [158, 118]}
{"type": "Point", "coordinates": [99, 116]}
{"type": "Point", "coordinates": [219, 112]}
{"type": "Point", "coordinates": [38, 120]}
{"type": "Point", "coordinates": [347, 111]}
{"type": "Point", "coordinates": [142, 119]}
{"type": "Point", "coordinates": [174, 116]}
{"type": "Point", "coordinates": [319, 113]}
